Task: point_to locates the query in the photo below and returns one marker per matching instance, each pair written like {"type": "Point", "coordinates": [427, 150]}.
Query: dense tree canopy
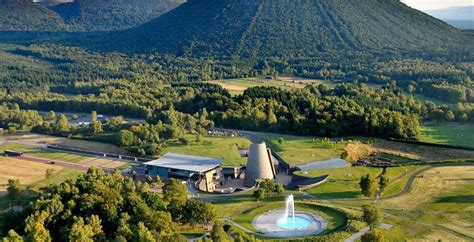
{"type": "Point", "coordinates": [98, 206]}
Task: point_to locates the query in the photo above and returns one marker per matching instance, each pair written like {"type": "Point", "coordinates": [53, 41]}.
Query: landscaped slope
{"type": "Point", "coordinates": [255, 28]}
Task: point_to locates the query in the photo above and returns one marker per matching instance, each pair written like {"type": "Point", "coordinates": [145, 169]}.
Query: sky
{"type": "Point", "coordinates": [437, 4]}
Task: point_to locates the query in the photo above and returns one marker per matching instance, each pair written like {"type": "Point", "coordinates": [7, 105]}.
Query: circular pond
{"type": "Point", "coordinates": [296, 223]}
{"type": "Point", "coordinates": [274, 223]}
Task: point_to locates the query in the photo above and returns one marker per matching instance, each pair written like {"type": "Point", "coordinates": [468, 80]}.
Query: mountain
{"type": "Point", "coordinates": [100, 15]}
{"type": "Point", "coordinates": [255, 28]}
{"type": "Point", "coordinates": [461, 17]}
{"type": "Point", "coordinates": [80, 15]}
{"type": "Point", "coordinates": [26, 15]}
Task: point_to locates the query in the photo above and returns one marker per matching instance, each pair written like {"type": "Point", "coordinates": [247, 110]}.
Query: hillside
{"type": "Point", "coordinates": [95, 15]}
{"type": "Point", "coordinates": [24, 15]}
{"type": "Point", "coordinates": [81, 15]}
{"type": "Point", "coordinates": [253, 28]}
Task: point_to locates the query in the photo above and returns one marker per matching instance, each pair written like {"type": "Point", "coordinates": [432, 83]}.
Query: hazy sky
{"type": "Point", "coordinates": [436, 4]}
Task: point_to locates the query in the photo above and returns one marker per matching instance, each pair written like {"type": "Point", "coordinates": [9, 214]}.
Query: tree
{"type": "Point", "coordinates": [2, 132]}
{"type": "Point", "coordinates": [279, 189]}
{"type": "Point", "coordinates": [125, 138]}
{"type": "Point", "coordinates": [93, 117]}
{"type": "Point", "coordinates": [149, 179]}
{"type": "Point", "coordinates": [373, 236]}
{"type": "Point", "coordinates": [259, 194]}
{"type": "Point", "coordinates": [197, 212]}
{"type": "Point", "coordinates": [96, 128]}
{"type": "Point", "coordinates": [368, 185]}
{"type": "Point", "coordinates": [51, 115]}
{"type": "Point", "coordinates": [62, 124]}
{"type": "Point", "coordinates": [371, 215]}
{"type": "Point", "coordinates": [217, 233]}
{"type": "Point", "coordinates": [12, 236]}
{"type": "Point", "coordinates": [49, 173]}
{"type": "Point", "coordinates": [143, 234]}
{"type": "Point", "coordinates": [11, 130]}
{"type": "Point", "coordinates": [15, 189]}
{"type": "Point", "coordinates": [271, 117]}
{"type": "Point", "coordinates": [134, 175]}
{"type": "Point", "coordinates": [158, 180]}
{"type": "Point", "coordinates": [80, 231]}
{"type": "Point", "coordinates": [383, 183]}
{"type": "Point", "coordinates": [35, 229]}
{"type": "Point", "coordinates": [176, 194]}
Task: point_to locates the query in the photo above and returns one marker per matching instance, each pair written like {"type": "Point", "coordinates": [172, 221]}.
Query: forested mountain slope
{"type": "Point", "coordinates": [81, 15]}
{"type": "Point", "coordinates": [95, 15]}
{"type": "Point", "coordinates": [25, 15]}
{"type": "Point", "coordinates": [256, 28]}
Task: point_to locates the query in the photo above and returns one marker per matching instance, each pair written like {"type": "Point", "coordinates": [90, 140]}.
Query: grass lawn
{"type": "Point", "coordinates": [244, 208]}
{"type": "Point", "coordinates": [441, 196]}
{"type": "Point", "coordinates": [39, 152]}
{"type": "Point", "coordinates": [299, 150]}
{"type": "Point", "coordinates": [344, 182]}
{"type": "Point", "coordinates": [238, 86]}
{"type": "Point", "coordinates": [450, 134]}
{"type": "Point", "coordinates": [210, 146]}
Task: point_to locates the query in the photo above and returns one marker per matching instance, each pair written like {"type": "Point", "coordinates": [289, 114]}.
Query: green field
{"type": "Point", "coordinates": [440, 197]}
{"type": "Point", "coordinates": [344, 182]}
{"type": "Point", "coordinates": [238, 86]}
{"type": "Point", "coordinates": [298, 150]}
{"type": "Point", "coordinates": [210, 146]}
{"type": "Point", "coordinates": [449, 134]}
{"type": "Point", "coordinates": [39, 152]}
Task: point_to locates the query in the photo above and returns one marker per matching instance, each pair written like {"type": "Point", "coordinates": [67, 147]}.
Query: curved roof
{"type": "Point", "coordinates": [186, 162]}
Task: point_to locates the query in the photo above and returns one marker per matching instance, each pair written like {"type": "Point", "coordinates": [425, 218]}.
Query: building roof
{"type": "Point", "coordinates": [186, 162]}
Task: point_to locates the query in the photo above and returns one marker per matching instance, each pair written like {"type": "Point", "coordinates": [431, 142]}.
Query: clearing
{"type": "Point", "coordinates": [448, 134]}
{"type": "Point", "coordinates": [27, 172]}
{"type": "Point", "coordinates": [238, 86]}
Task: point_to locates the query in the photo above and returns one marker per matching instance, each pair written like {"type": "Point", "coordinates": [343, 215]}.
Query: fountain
{"type": "Point", "coordinates": [296, 222]}
{"type": "Point", "coordinates": [289, 222]}
{"type": "Point", "coordinates": [290, 202]}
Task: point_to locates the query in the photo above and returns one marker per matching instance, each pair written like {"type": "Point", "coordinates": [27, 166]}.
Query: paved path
{"type": "Point", "coordinates": [405, 190]}
{"type": "Point", "coordinates": [365, 230]}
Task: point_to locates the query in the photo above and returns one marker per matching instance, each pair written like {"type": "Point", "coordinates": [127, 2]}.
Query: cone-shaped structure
{"type": "Point", "coordinates": [259, 165]}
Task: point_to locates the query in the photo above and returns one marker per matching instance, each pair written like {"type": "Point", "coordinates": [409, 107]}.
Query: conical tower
{"type": "Point", "coordinates": [259, 164]}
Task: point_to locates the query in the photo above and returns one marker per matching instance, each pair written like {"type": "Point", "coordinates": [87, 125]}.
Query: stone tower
{"type": "Point", "coordinates": [259, 164]}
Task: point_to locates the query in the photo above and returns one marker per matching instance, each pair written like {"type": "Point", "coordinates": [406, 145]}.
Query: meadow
{"type": "Point", "coordinates": [238, 86]}
{"type": "Point", "coordinates": [448, 134]}
{"type": "Point", "coordinates": [441, 198]}
{"type": "Point", "coordinates": [32, 175]}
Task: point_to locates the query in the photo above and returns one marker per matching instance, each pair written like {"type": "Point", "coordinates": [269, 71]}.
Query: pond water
{"type": "Point", "coordinates": [297, 223]}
